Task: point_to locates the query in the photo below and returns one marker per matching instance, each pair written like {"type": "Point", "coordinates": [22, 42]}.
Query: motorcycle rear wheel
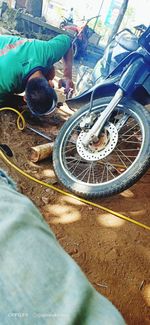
{"type": "Point", "coordinates": [112, 172]}
{"type": "Point", "coordinates": [62, 25]}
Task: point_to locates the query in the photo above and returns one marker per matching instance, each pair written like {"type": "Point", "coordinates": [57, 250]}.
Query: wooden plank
{"type": "Point", "coordinates": [41, 152]}
{"type": "Point", "coordinates": [30, 23]}
{"type": "Point", "coordinates": [39, 22]}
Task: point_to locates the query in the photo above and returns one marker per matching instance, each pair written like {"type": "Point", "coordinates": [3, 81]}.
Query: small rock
{"type": "Point", "coordinates": [45, 199]}
{"type": "Point", "coordinates": [51, 180]}
{"type": "Point", "coordinates": [48, 190]}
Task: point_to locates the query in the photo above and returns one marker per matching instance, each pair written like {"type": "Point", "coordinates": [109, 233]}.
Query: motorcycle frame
{"type": "Point", "coordinates": [111, 83]}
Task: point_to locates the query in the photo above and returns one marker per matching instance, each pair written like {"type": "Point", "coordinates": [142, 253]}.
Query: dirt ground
{"type": "Point", "coordinates": [113, 253]}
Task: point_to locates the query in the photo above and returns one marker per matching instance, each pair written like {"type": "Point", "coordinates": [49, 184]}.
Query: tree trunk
{"type": "Point", "coordinates": [34, 7]}
{"type": "Point", "coordinates": [118, 20]}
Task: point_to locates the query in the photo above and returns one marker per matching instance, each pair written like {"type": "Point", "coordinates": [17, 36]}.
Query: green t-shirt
{"type": "Point", "coordinates": [20, 57]}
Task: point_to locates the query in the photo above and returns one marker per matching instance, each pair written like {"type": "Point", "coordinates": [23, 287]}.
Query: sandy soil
{"type": "Point", "coordinates": [113, 253]}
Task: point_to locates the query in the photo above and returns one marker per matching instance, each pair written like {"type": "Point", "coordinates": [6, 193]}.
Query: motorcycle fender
{"type": "Point", "coordinates": [105, 87]}
{"type": "Point", "coordinates": [146, 84]}
{"type": "Point", "coordinates": [135, 76]}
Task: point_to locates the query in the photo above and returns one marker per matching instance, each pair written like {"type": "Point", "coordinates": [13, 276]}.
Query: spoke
{"type": "Point", "coordinates": [121, 160]}
{"type": "Point", "coordinates": [126, 132]}
{"type": "Point", "coordinates": [112, 173]}
{"type": "Point", "coordinates": [114, 155]}
{"type": "Point", "coordinates": [70, 149]}
{"type": "Point", "coordinates": [115, 165]}
{"type": "Point", "coordinates": [125, 138]}
{"type": "Point", "coordinates": [75, 165]}
{"type": "Point", "coordinates": [131, 136]}
{"type": "Point", "coordinates": [107, 171]}
{"type": "Point", "coordinates": [102, 177]}
{"type": "Point", "coordinates": [133, 142]}
{"type": "Point", "coordinates": [90, 169]}
{"type": "Point", "coordinates": [124, 156]}
{"type": "Point", "coordinates": [73, 142]}
{"type": "Point", "coordinates": [127, 149]}
{"type": "Point", "coordinates": [92, 173]}
{"type": "Point", "coordinates": [72, 159]}
{"type": "Point", "coordinates": [84, 173]}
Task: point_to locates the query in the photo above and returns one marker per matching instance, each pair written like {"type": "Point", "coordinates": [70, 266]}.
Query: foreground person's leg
{"type": "Point", "coordinates": [39, 282]}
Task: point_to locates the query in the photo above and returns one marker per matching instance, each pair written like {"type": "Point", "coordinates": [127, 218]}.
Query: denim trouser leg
{"type": "Point", "coordinates": [39, 282]}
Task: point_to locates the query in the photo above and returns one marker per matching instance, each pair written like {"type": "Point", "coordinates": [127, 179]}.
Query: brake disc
{"type": "Point", "coordinates": [96, 152]}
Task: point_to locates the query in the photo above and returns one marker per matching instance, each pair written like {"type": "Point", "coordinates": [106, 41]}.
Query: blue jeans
{"type": "Point", "coordinates": [40, 283]}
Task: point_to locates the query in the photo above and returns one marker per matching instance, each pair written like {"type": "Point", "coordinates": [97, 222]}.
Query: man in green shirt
{"type": "Point", "coordinates": [27, 65]}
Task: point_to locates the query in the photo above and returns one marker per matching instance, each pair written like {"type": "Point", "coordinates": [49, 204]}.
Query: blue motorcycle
{"type": "Point", "coordinates": [104, 148]}
{"type": "Point", "coordinates": [118, 49]}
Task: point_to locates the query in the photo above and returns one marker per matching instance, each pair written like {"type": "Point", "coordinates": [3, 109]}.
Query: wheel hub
{"type": "Point", "coordinates": [102, 148]}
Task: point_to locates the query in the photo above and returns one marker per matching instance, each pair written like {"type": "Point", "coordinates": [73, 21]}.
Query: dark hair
{"type": "Point", "coordinates": [41, 98]}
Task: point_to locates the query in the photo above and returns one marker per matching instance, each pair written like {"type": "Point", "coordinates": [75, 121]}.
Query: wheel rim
{"type": "Point", "coordinates": [115, 165]}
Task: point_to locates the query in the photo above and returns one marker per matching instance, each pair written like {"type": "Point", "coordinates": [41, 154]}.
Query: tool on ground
{"type": "Point", "coordinates": [45, 136]}
{"type": "Point", "coordinates": [6, 150]}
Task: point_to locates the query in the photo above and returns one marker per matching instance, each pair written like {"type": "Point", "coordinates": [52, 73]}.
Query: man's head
{"type": "Point", "coordinates": [40, 97]}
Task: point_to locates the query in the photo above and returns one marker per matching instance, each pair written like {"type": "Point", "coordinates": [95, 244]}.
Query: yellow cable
{"type": "Point", "coordinates": [73, 196]}
{"type": "Point", "coordinates": [21, 128]}
{"type": "Point", "coordinates": [66, 193]}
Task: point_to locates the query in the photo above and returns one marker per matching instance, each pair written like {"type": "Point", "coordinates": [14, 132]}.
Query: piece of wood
{"type": "Point", "coordinates": [41, 152]}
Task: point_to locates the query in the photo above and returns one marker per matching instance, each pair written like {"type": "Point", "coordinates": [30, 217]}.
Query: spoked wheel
{"type": "Point", "coordinates": [112, 163]}
{"type": "Point", "coordinates": [62, 25]}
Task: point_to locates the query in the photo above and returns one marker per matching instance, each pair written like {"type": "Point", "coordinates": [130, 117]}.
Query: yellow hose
{"type": "Point", "coordinates": [61, 191]}
{"type": "Point", "coordinates": [20, 117]}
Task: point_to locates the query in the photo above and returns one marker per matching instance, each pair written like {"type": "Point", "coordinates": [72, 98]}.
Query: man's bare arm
{"type": "Point", "coordinates": [66, 81]}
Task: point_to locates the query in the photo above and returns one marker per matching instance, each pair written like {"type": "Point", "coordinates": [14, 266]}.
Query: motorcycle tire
{"type": "Point", "coordinates": [62, 25]}
{"type": "Point", "coordinates": [124, 165]}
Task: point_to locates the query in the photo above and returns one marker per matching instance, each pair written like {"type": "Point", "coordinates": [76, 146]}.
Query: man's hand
{"type": "Point", "coordinates": [67, 84]}
{"type": "Point", "coordinates": [51, 83]}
